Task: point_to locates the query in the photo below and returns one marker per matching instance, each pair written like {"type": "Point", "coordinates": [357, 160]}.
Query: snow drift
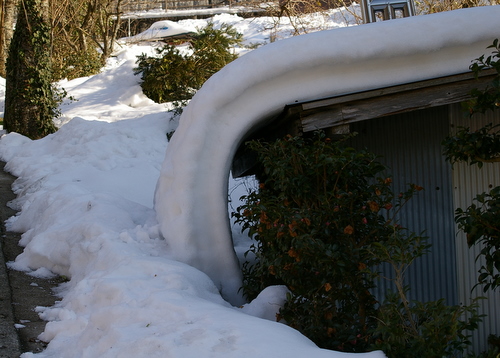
{"type": "Point", "coordinates": [191, 195]}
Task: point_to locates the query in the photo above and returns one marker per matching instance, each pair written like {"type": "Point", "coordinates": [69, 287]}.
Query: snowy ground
{"type": "Point", "coordinates": [85, 195]}
{"type": "Point", "coordinates": [85, 202]}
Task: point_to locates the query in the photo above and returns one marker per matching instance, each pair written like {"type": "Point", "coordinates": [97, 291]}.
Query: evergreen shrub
{"type": "Point", "coordinates": [481, 220]}
{"type": "Point", "coordinates": [175, 76]}
{"type": "Point", "coordinates": [322, 222]}
{"type": "Point", "coordinates": [320, 208]}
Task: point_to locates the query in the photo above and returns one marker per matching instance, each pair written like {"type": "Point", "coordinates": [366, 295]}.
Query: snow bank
{"type": "Point", "coordinates": [115, 94]}
{"type": "Point", "coordinates": [190, 199]}
{"type": "Point", "coordinates": [85, 196]}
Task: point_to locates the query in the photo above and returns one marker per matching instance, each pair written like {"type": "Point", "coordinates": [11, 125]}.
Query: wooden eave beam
{"type": "Point", "coordinates": [338, 112]}
{"type": "Point", "coordinates": [342, 110]}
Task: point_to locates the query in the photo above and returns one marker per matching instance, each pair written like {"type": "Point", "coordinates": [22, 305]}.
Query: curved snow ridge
{"type": "Point", "coordinates": [191, 194]}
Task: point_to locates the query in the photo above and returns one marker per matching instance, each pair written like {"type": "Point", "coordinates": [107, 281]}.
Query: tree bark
{"type": "Point", "coordinates": [30, 103]}
{"type": "Point", "coordinates": [8, 13]}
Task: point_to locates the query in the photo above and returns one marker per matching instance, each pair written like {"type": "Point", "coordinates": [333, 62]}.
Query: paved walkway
{"type": "Point", "coordinates": [9, 341]}
{"type": "Point", "coordinates": [20, 293]}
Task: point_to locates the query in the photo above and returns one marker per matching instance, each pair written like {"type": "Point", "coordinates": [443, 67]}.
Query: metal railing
{"type": "Point", "coordinates": [151, 5]}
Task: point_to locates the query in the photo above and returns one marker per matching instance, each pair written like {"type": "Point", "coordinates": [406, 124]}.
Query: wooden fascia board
{"type": "Point", "coordinates": [338, 112]}
{"type": "Point", "coordinates": [341, 110]}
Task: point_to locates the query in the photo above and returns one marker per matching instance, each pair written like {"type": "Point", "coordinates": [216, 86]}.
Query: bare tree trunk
{"type": "Point", "coordinates": [30, 103]}
{"type": "Point", "coordinates": [8, 13]}
{"type": "Point", "coordinates": [107, 27]}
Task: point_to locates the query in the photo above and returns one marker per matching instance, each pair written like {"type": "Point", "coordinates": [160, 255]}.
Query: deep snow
{"type": "Point", "coordinates": [244, 94]}
{"type": "Point", "coordinates": [85, 197]}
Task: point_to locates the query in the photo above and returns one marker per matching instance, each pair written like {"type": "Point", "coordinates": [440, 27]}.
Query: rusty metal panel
{"type": "Point", "coordinates": [468, 181]}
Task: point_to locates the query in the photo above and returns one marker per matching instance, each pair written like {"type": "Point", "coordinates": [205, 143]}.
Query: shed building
{"type": "Point", "coordinates": [405, 125]}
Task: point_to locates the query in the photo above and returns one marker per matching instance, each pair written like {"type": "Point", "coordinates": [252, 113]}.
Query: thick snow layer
{"type": "Point", "coordinates": [85, 196]}
{"type": "Point", "coordinates": [159, 30]}
{"type": "Point", "coordinates": [190, 199]}
{"type": "Point", "coordinates": [127, 100]}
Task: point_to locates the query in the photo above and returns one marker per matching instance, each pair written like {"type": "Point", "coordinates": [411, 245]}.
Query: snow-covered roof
{"type": "Point", "coordinates": [244, 94]}
{"type": "Point", "coordinates": [192, 13]}
{"type": "Point", "coordinates": [159, 30]}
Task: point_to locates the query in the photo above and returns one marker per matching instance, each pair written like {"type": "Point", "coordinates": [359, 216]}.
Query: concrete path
{"type": "Point", "coordinates": [9, 341]}
{"type": "Point", "coordinates": [20, 293]}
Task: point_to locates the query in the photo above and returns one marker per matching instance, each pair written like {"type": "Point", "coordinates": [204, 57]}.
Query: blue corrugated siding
{"type": "Point", "coordinates": [468, 181]}
{"type": "Point", "coordinates": [410, 144]}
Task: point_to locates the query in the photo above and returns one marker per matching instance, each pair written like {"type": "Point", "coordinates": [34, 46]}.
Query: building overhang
{"type": "Point", "coordinates": [334, 114]}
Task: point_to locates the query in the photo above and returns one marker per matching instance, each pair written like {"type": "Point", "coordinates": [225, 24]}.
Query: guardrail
{"type": "Point", "coordinates": [150, 5]}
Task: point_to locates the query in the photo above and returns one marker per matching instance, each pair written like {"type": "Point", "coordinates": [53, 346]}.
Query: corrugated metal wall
{"type": "Point", "coordinates": [468, 181]}
{"type": "Point", "coordinates": [410, 144]}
